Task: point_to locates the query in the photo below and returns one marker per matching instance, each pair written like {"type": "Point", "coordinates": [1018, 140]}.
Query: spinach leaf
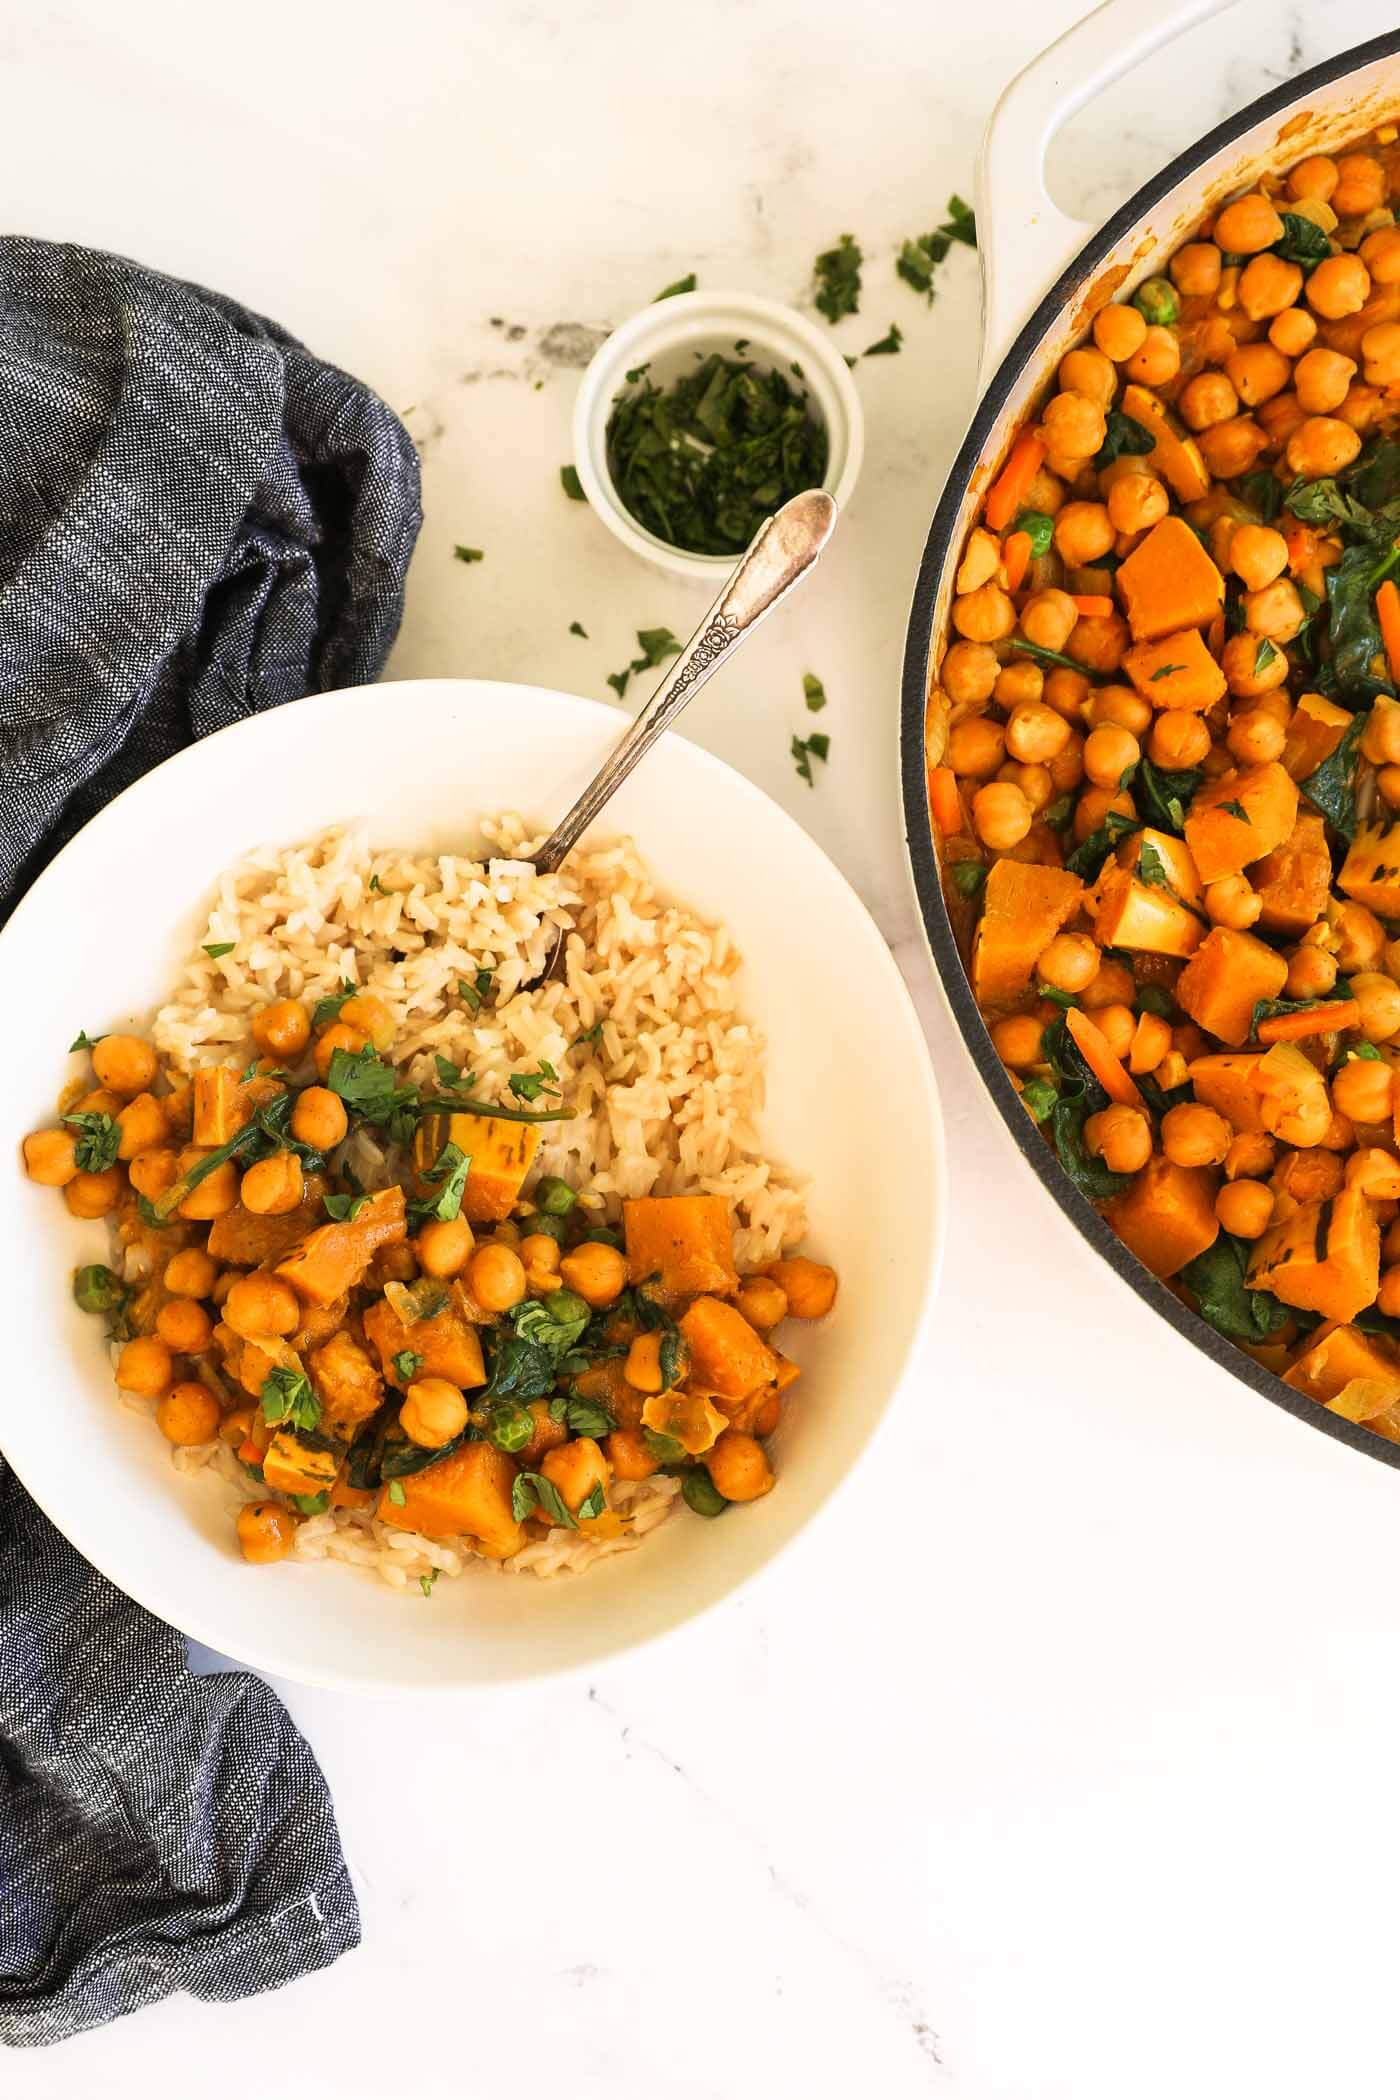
{"type": "Point", "coordinates": [1040, 1096]}
{"type": "Point", "coordinates": [1165, 797]}
{"type": "Point", "coordinates": [581, 1417]}
{"type": "Point", "coordinates": [1039, 530]}
{"type": "Point", "coordinates": [327, 1010]}
{"type": "Point", "coordinates": [343, 1210]}
{"type": "Point", "coordinates": [1123, 435]}
{"type": "Point", "coordinates": [1302, 241]}
{"type": "Point", "coordinates": [400, 1458]}
{"type": "Point", "coordinates": [1332, 788]}
{"type": "Point", "coordinates": [969, 877]}
{"type": "Point", "coordinates": [1261, 491]}
{"type": "Point", "coordinates": [1216, 1279]}
{"type": "Point", "coordinates": [448, 1175]}
{"type": "Point", "coordinates": [531, 1491]}
{"type": "Point", "coordinates": [1091, 853]}
{"type": "Point", "coordinates": [1325, 502]}
{"type": "Point", "coordinates": [1357, 668]}
{"type": "Point", "coordinates": [1080, 1096]}
{"type": "Point", "coordinates": [1374, 477]}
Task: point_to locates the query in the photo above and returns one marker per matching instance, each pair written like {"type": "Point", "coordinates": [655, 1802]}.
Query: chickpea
{"type": "Point", "coordinates": [1340, 1134]}
{"type": "Point", "coordinates": [809, 1286]}
{"type": "Point", "coordinates": [262, 1304]}
{"type": "Point", "coordinates": [184, 1326]}
{"type": "Point", "coordinates": [1118, 332]}
{"type": "Point", "coordinates": [1358, 935]}
{"type": "Point", "coordinates": [1002, 816]}
{"type": "Point", "coordinates": [1312, 972]}
{"type": "Point", "coordinates": [1035, 734]}
{"type": "Point", "coordinates": [1091, 373]}
{"type": "Point", "coordinates": [152, 1173]}
{"type": "Point", "coordinates": [1321, 379]}
{"type": "Point", "coordinates": [145, 1366]}
{"type": "Point", "coordinates": [339, 1036]}
{"type": "Point", "coordinates": [189, 1413]}
{"type": "Point", "coordinates": [124, 1064]}
{"type": "Point", "coordinates": [1378, 996]}
{"type": "Point", "coordinates": [1338, 287]}
{"type": "Point", "coordinates": [496, 1277]}
{"type": "Point", "coordinates": [282, 1030]}
{"type": "Point", "coordinates": [1045, 492]}
{"type": "Point", "coordinates": [190, 1273]}
{"type": "Point", "coordinates": [1388, 781]}
{"type": "Point", "coordinates": [1280, 418]}
{"type": "Point", "coordinates": [1207, 399]}
{"type": "Point", "coordinates": [1152, 1039]}
{"type": "Point", "coordinates": [1313, 1175]}
{"type": "Point", "coordinates": [1156, 360]}
{"type": "Point", "coordinates": [1074, 426]}
{"type": "Point", "coordinates": [1178, 739]}
{"type": "Point", "coordinates": [1119, 704]}
{"type": "Point", "coordinates": [981, 559]}
{"type": "Point", "coordinates": [1230, 449]}
{"type": "Point", "coordinates": [1048, 617]}
{"type": "Point", "coordinates": [1121, 1137]}
{"type": "Point", "coordinates": [1195, 269]}
{"type": "Point", "coordinates": [1136, 502]}
{"type": "Point", "coordinates": [1362, 407]}
{"type": "Point", "coordinates": [1109, 754]}
{"type": "Point", "coordinates": [539, 1251]}
{"type": "Point", "coordinates": [1245, 675]}
{"type": "Point", "coordinates": [1256, 738]}
{"type": "Point", "coordinates": [1232, 902]}
{"type": "Point", "coordinates": [93, 1195]}
{"type": "Point", "coordinates": [143, 1123]}
{"type": "Point", "coordinates": [1388, 1295]}
{"type": "Point", "coordinates": [1360, 186]}
{"type": "Point", "coordinates": [1067, 770]}
{"type": "Point", "coordinates": [1293, 331]}
{"type": "Point", "coordinates": [762, 1302]}
{"type": "Point", "coordinates": [969, 674]}
{"type": "Point", "coordinates": [1380, 741]}
{"type": "Point", "coordinates": [1083, 534]}
{"type": "Point", "coordinates": [1380, 346]}
{"type": "Point", "coordinates": [1194, 1135]}
{"type": "Point", "coordinates": [1099, 644]}
{"type": "Point", "coordinates": [101, 1102]}
{"type": "Point", "coordinates": [629, 1455]}
{"type": "Point", "coordinates": [1172, 1072]}
{"type": "Point", "coordinates": [266, 1531]}
{"type": "Point", "coordinates": [444, 1246]}
{"type": "Point", "coordinates": [1380, 251]}
{"type": "Point", "coordinates": [1250, 1157]}
{"type": "Point", "coordinates": [319, 1118]}
{"type": "Point", "coordinates": [595, 1272]}
{"type": "Point", "coordinates": [1275, 613]}
{"type": "Point", "coordinates": [272, 1187]}
{"type": "Point", "coordinates": [739, 1467]}
{"type": "Point", "coordinates": [576, 1469]}
{"type": "Point", "coordinates": [1095, 806]}
{"type": "Point", "coordinates": [1375, 1172]}
{"type": "Point", "coordinates": [1245, 1208]}
{"type": "Point", "coordinates": [1257, 372]}
{"type": "Point", "coordinates": [367, 1012]}
{"type": "Point", "coordinates": [1258, 555]}
{"type": "Point", "coordinates": [1117, 1025]}
{"type": "Point", "coordinates": [976, 748]}
{"type": "Point", "coordinates": [1016, 1038]}
{"type": "Point", "coordinates": [1018, 682]}
{"type": "Point", "coordinates": [433, 1413]}
{"type": "Point", "coordinates": [1069, 962]}
{"type": "Point", "coordinates": [1314, 177]}
{"type": "Point", "coordinates": [1268, 285]}
{"type": "Point", "coordinates": [642, 1368]}
{"type": "Point", "coordinates": [50, 1157]}
{"type": "Point", "coordinates": [1067, 692]}
{"type": "Point", "coordinates": [1248, 225]}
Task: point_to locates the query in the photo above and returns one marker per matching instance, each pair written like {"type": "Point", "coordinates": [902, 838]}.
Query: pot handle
{"type": "Point", "coordinates": [1024, 239]}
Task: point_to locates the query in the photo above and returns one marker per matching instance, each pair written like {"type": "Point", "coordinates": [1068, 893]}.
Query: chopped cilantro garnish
{"type": "Point", "coordinates": [287, 1396]}
{"type": "Point", "coordinates": [814, 692]}
{"type": "Point", "coordinates": [672, 291]}
{"type": "Point", "coordinates": [837, 272]}
{"type": "Point", "coordinates": [214, 949]}
{"type": "Point", "coordinates": [468, 553]}
{"type": "Point", "coordinates": [888, 343]}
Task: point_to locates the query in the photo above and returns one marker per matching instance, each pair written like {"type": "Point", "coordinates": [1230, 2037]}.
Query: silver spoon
{"type": "Point", "coordinates": [782, 551]}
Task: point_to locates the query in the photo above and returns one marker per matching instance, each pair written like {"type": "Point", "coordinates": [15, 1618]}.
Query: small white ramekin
{"type": "Point", "coordinates": [664, 338]}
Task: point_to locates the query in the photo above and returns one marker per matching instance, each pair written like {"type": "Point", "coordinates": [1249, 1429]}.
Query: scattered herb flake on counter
{"type": "Point", "coordinates": [571, 484]}
{"type": "Point", "coordinates": [656, 644]}
{"type": "Point", "coordinates": [887, 345]}
{"type": "Point", "coordinates": [814, 692]}
{"type": "Point", "coordinates": [837, 271]}
{"type": "Point", "coordinates": [468, 553]}
{"type": "Point", "coordinates": [577, 627]}
{"type": "Point", "coordinates": [682, 284]}
{"type": "Point", "coordinates": [804, 750]}
{"type": "Point", "coordinates": [702, 462]}
{"type": "Point", "coordinates": [919, 258]}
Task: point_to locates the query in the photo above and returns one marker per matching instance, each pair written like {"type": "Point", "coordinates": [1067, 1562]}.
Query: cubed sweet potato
{"type": "Point", "coordinates": [333, 1258]}
{"type": "Point", "coordinates": [1325, 1258]}
{"type": "Point", "coordinates": [468, 1491]}
{"type": "Point", "coordinates": [1166, 1216]}
{"type": "Point", "coordinates": [1169, 582]}
{"type": "Point", "coordinates": [295, 1467]}
{"type": "Point", "coordinates": [1023, 908]}
{"type": "Point", "coordinates": [219, 1107]}
{"type": "Point", "coordinates": [501, 1152]}
{"type": "Point", "coordinates": [448, 1345]}
{"type": "Point", "coordinates": [1225, 978]}
{"type": "Point", "coordinates": [346, 1383]}
{"type": "Point", "coordinates": [1159, 853]}
{"type": "Point", "coordinates": [1225, 1082]}
{"type": "Point", "coordinates": [1316, 728]}
{"type": "Point", "coordinates": [1371, 871]}
{"type": "Point", "coordinates": [680, 1245]}
{"type": "Point", "coordinates": [1294, 880]}
{"type": "Point", "coordinates": [1144, 918]}
{"type": "Point", "coordinates": [1239, 818]}
{"type": "Point", "coordinates": [726, 1355]}
{"type": "Point", "coordinates": [1175, 458]}
{"type": "Point", "coordinates": [248, 1240]}
{"type": "Point", "coordinates": [1340, 1357]}
{"type": "Point", "coordinates": [1176, 671]}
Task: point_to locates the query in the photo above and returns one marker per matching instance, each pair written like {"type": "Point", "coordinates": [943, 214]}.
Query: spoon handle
{"type": "Point", "coordinates": [780, 554]}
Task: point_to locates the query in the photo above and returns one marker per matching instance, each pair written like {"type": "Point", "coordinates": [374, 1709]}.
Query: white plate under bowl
{"type": "Point", "coordinates": [850, 1101]}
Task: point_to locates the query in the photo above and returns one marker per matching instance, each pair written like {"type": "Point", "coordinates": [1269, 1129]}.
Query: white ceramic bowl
{"type": "Point", "coordinates": [665, 338]}
{"type": "Point", "coordinates": [851, 1101]}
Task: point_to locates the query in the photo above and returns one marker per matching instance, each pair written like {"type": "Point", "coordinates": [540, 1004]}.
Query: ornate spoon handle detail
{"type": "Point", "coordinates": [782, 551]}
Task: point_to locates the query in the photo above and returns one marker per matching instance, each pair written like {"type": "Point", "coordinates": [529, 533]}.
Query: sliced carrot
{"type": "Point", "coordinates": [1008, 492]}
{"type": "Point", "coordinates": [1108, 1068]}
{"type": "Point", "coordinates": [946, 802]}
{"type": "Point", "coordinates": [1016, 558]}
{"type": "Point", "coordinates": [1093, 608]}
{"type": "Point", "coordinates": [1301, 542]}
{"type": "Point", "coordinates": [249, 1453]}
{"type": "Point", "coordinates": [1320, 1020]}
{"type": "Point", "coordinates": [1388, 613]}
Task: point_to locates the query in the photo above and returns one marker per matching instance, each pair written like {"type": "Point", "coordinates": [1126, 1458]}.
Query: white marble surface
{"type": "Point", "coordinates": [1057, 1761]}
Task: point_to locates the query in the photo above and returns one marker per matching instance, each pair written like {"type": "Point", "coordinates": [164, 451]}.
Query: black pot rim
{"type": "Point", "coordinates": [917, 825]}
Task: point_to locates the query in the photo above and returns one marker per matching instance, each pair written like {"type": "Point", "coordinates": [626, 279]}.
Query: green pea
{"type": "Point", "coordinates": [554, 1197]}
{"type": "Point", "coordinates": [96, 1289]}
{"type": "Point", "coordinates": [553, 1227]}
{"type": "Point", "coordinates": [510, 1426]}
{"type": "Point", "coordinates": [1038, 528]}
{"type": "Point", "coordinates": [1157, 302]}
{"type": "Point", "coordinates": [702, 1495]}
{"type": "Point", "coordinates": [601, 1235]}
